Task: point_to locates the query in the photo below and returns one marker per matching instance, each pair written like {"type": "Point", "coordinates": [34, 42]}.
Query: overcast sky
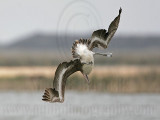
{"type": "Point", "coordinates": [19, 18]}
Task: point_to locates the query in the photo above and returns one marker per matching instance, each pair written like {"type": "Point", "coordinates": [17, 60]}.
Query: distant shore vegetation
{"type": "Point", "coordinates": [110, 79]}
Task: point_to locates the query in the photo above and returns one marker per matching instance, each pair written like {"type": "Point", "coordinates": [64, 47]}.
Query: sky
{"type": "Point", "coordinates": [19, 18]}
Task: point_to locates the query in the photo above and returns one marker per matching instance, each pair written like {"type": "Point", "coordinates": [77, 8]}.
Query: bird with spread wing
{"type": "Point", "coordinates": [83, 60]}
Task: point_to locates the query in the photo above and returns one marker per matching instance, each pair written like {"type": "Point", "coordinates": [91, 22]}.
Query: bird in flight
{"type": "Point", "coordinates": [83, 60]}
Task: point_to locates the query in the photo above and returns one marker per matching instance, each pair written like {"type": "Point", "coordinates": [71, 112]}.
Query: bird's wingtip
{"type": "Point", "coordinates": [120, 10]}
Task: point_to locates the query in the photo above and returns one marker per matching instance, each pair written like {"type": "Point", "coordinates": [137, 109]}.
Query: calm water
{"type": "Point", "coordinates": [80, 106]}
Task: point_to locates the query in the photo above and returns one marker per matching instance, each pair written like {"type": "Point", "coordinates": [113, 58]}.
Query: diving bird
{"type": "Point", "coordinates": [83, 60]}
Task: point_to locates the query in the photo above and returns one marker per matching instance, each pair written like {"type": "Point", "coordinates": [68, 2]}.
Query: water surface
{"type": "Point", "coordinates": [79, 106]}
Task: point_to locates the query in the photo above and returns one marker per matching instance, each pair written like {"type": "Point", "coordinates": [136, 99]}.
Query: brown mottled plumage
{"type": "Point", "coordinates": [82, 50]}
{"type": "Point", "coordinates": [56, 94]}
{"type": "Point", "coordinates": [99, 37]}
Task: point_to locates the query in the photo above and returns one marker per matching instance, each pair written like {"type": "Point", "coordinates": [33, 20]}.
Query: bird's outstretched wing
{"type": "Point", "coordinates": [102, 37]}
{"type": "Point", "coordinates": [63, 71]}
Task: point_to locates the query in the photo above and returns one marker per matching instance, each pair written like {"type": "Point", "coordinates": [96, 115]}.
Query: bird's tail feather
{"type": "Point", "coordinates": [50, 95]}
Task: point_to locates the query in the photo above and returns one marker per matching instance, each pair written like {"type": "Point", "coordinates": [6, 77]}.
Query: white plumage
{"type": "Point", "coordinates": [86, 56]}
{"type": "Point", "coordinates": [60, 83]}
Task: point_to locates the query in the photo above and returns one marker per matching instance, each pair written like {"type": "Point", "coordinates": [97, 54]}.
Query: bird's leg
{"type": "Point", "coordinates": [86, 78]}
{"type": "Point", "coordinates": [104, 54]}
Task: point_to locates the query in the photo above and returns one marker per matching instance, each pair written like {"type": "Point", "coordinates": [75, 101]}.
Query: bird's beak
{"type": "Point", "coordinates": [86, 77]}
{"type": "Point", "coordinates": [104, 54]}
